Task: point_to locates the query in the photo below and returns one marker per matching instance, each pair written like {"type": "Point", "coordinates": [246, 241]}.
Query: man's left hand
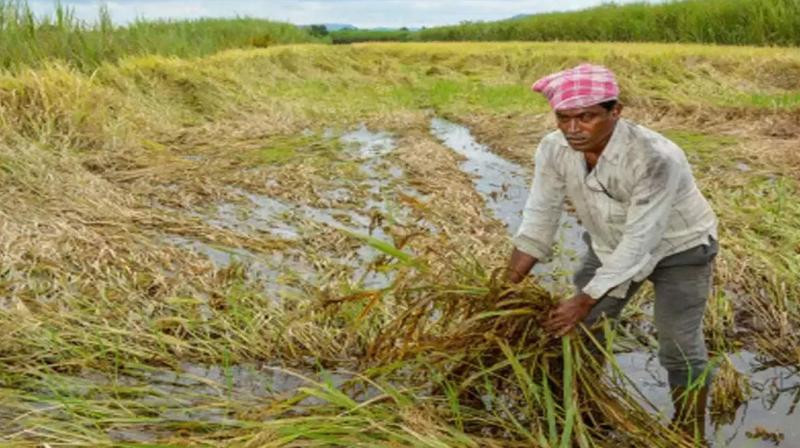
{"type": "Point", "coordinates": [568, 314]}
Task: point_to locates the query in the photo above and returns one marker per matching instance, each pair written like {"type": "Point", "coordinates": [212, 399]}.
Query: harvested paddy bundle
{"type": "Point", "coordinates": [449, 319]}
{"type": "Point", "coordinates": [475, 347]}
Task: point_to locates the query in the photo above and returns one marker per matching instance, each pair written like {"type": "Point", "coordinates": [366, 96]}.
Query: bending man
{"type": "Point", "coordinates": [634, 192]}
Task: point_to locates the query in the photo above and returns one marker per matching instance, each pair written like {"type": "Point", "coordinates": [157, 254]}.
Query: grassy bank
{"type": "Point", "coordinates": [27, 40]}
{"type": "Point", "coordinates": [110, 180]}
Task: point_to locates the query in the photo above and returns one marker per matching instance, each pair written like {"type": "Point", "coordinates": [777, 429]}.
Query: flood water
{"type": "Point", "coordinates": [775, 395]}
{"type": "Point", "coordinates": [215, 395]}
{"type": "Point", "coordinates": [256, 214]}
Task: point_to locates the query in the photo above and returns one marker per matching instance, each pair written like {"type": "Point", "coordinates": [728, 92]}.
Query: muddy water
{"type": "Point", "coordinates": [212, 394]}
{"type": "Point", "coordinates": [256, 214]}
{"type": "Point", "coordinates": [774, 403]}
{"type": "Point", "coordinates": [776, 391]}
{"type": "Point", "coordinates": [215, 395]}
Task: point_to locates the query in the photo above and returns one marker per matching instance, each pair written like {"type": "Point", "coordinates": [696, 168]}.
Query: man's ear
{"type": "Point", "coordinates": [616, 111]}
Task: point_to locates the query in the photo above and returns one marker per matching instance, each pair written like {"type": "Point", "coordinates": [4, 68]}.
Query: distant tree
{"type": "Point", "coordinates": [318, 30]}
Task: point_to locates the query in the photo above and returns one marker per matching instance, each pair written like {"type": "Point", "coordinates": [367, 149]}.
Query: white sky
{"type": "Point", "coordinates": [361, 13]}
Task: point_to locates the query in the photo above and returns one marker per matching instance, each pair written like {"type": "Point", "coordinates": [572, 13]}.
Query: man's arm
{"type": "Point", "coordinates": [534, 238]}
{"type": "Point", "coordinates": [519, 265]}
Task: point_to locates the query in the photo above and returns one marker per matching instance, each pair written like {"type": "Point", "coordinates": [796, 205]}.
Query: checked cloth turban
{"type": "Point", "coordinates": [582, 86]}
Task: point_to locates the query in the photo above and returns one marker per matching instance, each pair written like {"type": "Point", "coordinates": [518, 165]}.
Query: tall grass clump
{"type": "Point", "coordinates": [731, 22]}
{"type": "Point", "coordinates": [29, 41]}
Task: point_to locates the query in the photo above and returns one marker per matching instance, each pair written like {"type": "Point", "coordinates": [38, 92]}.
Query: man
{"type": "Point", "coordinates": [634, 192]}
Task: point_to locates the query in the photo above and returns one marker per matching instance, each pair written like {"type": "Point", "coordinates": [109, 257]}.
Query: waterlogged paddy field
{"type": "Point", "coordinates": [300, 246]}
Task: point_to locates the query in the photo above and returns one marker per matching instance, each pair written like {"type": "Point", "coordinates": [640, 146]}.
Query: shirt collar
{"type": "Point", "coordinates": [616, 146]}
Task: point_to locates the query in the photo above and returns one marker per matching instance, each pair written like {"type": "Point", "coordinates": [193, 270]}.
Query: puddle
{"type": "Point", "coordinates": [505, 185]}
{"type": "Point", "coordinates": [265, 215]}
{"type": "Point", "coordinates": [775, 392]}
{"type": "Point", "coordinates": [221, 256]}
{"type": "Point", "coordinates": [258, 214]}
{"type": "Point", "coordinates": [261, 215]}
{"type": "Point", "coordinates": [370, 144]}
{"type": "Point", "coordinates": [381, 175]}
{"type": "Point", "coordinates": [502, 183]}
{"type": "Point", "coordinates": [235, 381]}
{"type": "Point", "coordinates": [338, 196]}
{"type": "Point", "coordinates": [270, 270]}
{"type": "Point", "coordinates": [218, 395]}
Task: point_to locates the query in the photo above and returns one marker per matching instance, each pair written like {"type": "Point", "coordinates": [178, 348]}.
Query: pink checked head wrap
{"type": "Point", "coordinates": [582, 86]}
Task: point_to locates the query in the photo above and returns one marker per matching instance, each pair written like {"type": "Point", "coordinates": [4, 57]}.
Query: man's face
{"type": "Point", "coordinates": [588, 129]}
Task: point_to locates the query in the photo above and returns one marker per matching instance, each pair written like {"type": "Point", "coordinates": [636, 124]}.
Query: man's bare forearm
{"type": "Point", "coordinates": [519, 266]}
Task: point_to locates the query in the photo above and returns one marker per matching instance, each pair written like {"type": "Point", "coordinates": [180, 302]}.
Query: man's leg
{"type": "Point", "coordinates": [682, 286]}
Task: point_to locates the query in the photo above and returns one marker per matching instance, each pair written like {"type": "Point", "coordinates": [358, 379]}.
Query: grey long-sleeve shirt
{"type": "Point", "coordinates": [640, 204]}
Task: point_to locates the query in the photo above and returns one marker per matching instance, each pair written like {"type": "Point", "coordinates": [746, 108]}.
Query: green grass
{"type": "Point", "coordinates": [313, 149]}
{"type": "Point", "coordinates": [704, 149]}
{"type": "Point", "coordinates": [724, 22]}
{"type": "Point", "coordinates": [464, 94]}
{"type": "Point", "coordinates": [30, 41]}
{"type": "Point", "coordinates": [27, 40]}
{"type": "Point", "coordinates": [775, 101]}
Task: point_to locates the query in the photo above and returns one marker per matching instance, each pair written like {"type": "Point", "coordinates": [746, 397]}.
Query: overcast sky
{"type": "Point", "coordinates": [361, 13]}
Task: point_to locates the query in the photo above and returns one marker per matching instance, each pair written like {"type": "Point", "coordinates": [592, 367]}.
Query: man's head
{"type": "Point", "coordinates": [588, 129]}
{"type": "Point", "coordinates": [584, 100]}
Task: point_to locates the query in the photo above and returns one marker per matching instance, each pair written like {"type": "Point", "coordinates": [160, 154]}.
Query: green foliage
{"type": "Point", "coordinates": [318, 30]}
{"type": "Point", "coordinates": [282, 149]}
{"type": "Point", "coordinates": [27, 40]}
{"type": "Point", "coordinates": [734, 22]}
{"type": "Point", "coordinates": [347, 36]}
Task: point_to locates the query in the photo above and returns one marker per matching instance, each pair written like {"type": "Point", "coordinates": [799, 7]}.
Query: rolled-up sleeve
{"type": "Point", "coordinates": [652, 199]}
{"type": "Point", "coordinates": [543, 208]}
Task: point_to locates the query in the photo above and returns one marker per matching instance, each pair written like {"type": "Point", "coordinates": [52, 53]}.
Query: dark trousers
{"type": "Point", "coordinates": [682, 284]}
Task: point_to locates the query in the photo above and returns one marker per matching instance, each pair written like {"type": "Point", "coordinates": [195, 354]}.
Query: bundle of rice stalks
{"type": "Point", "coordinates": [475, 345]}
{"type": "Point", "coordinates": [474, 315]}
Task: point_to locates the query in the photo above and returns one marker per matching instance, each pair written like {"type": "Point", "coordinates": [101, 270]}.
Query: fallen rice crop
{"type": "Point", "coordinates": [165, 218]}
